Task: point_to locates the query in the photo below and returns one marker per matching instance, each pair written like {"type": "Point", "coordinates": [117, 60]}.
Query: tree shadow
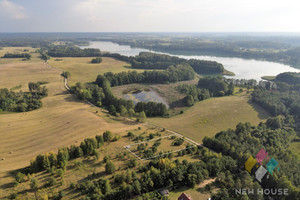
{"type": "Point", "coordinates": [177, 104]}
{"type": "Point", "coordinates": [262, 113]}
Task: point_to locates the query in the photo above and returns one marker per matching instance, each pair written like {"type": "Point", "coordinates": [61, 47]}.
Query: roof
{"type": "Point", "coordinates": [164, 192]}
{"type": "Point", "coordinates": [184, 196]}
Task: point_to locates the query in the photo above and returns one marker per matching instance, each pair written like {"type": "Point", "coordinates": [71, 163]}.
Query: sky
{"type": "Point", "coordinates": [149, 16]}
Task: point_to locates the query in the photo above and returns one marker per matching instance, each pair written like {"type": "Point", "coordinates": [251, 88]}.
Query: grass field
{"type": "Point", "coordinates": [61, 121]}
{"type": "Point", "coordinates": [82, 70]}
{"type": "Point", "coordinates": [30, 50]}
{"type": "Point", "coordinates": [208, 117]}
{"type": "Point", "coordinates": [15, 74]}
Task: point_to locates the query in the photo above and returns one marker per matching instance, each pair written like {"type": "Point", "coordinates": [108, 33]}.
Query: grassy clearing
{"type": "Point", "coordinates": [269, 78]}
{"type": "Point", "coordinates": [208, 117]}
{"type": "Point", "coordinates": [82, 70]}
{"type": "Point", "coordinates": [162, 142]}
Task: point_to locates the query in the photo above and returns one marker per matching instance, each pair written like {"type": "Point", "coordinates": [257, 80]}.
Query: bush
{"type": "Point", "coordinates": [96, 60]}
{"type": "Point", "coordinates": [107, 136]}
{"type": "Point", "coordinates": [51, 181]}
{"type": "Point", "coordinates": [110, 167]}
{"type": "Point", "coordinates": [20, 177]}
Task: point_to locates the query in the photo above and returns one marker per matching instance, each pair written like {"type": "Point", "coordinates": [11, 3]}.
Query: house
{"type": "Point", "coordinates": [184, 196]}
{"type": "Point", "coordinates": [164, 192]}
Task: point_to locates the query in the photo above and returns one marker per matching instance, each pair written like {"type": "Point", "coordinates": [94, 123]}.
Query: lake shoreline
{"type": "Point", "coordinates": [240, 67]}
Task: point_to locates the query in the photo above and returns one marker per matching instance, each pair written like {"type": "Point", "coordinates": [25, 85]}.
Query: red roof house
{"type": "Point", "coordinates": [184, 196]}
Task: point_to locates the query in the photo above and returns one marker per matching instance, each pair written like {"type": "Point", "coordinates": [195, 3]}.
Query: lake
{"type": "Point", "coordinates": [243, 68]}
{"type": "Point", "coordinates": [145, 96]}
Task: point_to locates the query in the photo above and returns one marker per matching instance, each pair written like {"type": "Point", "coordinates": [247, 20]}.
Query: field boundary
{"type": "Point", "coordinates": [188, 140]}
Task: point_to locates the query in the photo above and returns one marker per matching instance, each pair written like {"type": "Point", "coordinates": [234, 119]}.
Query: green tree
{"type": "Point", "coordinates": [110, 167]}
{"type": "Point", "coordinates": [34, 184]}
{"type": "Point", "coordinates": [96, 154]}
{"type": "Point", "coordinates": [33, 86]}
{"type": "Point", "coordinates": [112, 110]}
{"type": "Point", "coordinates": [106, 189]}
{"type": "Point", "coordinates": [66, 74]}
{"type": "Point", "coordinates": [107, 136]}
{"type": "Point", "coordinates": [96, 60]}
{"type": "Point", "coordinates": [20, 177]}
{"type": "Point", "coordinates": [191, 180]}
{"type": "Point", "coordinates": [123, 111]}
{"type": "Point", "coordinates": [189, 100]}
{"type": "Point", "coordinates": [131, 113]}
{"type": "Point", "coordinates": [46, 163]}
{"type": "Point", "coordinates": [142, 117]}
{"type": "Point", "coordinates": [51, 181]}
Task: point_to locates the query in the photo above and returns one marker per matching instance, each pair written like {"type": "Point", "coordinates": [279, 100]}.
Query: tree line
{"type": "Point", "coordinates": [17, 55]}
{"type": "Point", "coordinates": [292, 78]}
{"type": "Point", "coordinates": [148, 60]}
{"type": "Point", "coordinates": [285, 100]}
{"type": "Point", "coordinates": [22, 101]}
{"type": "Point", "coordinates": [170, 75]}
{"type": "Point", "coordinates": [71, 51]}
{"type": "Point", "coordinates": [88, 146]}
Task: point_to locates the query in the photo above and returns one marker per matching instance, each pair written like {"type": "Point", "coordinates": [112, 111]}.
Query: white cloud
{"type": "Point", "coordinates": [154, 15]}
{"type": "Point", "coordinates": [12, 10]}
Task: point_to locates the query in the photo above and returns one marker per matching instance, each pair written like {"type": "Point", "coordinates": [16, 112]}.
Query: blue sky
{"type": "Point", "coordinates": [149, 16]}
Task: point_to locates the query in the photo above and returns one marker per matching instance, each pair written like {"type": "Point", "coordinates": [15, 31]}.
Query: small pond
{"type": "Point", "coordinates": [144, 96]}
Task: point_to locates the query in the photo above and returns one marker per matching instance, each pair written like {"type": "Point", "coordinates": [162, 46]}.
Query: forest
{"type": "Point", "coordinates": [22, 101]}
{"type": "Point", "coordinates": [274, 136]}
{"type": "Point", "coordinates": [283, 101]}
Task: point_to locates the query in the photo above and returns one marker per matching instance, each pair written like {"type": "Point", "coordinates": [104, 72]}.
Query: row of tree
{"type": "Point", "coordinates": [17, 55]}
{"type": "Point", "coordinates": [87, 147]}
{"type": "Point", "coordinates": [71, 51]}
